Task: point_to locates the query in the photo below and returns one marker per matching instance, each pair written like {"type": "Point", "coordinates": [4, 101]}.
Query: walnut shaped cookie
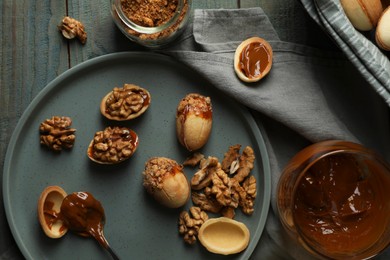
{"type": "Point", "coordinates": [165, 181]}
{"type": "Point", "coordinates": [112, 145]}
{"type": "Point", "coordinates": [125, 103]}
{"type": "Point", "coordinates": [194, 119]}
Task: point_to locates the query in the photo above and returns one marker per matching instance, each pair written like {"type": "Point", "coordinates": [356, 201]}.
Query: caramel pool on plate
{"type": "Point", "coordinates": [333, 198]}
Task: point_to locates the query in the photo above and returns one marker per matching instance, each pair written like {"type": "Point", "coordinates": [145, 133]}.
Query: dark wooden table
{"type": "Point", "coordinates": [33, 52]}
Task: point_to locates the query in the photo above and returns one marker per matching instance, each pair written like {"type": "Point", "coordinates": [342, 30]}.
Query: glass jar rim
{"type": "Point", "coordinates": [148, 30]}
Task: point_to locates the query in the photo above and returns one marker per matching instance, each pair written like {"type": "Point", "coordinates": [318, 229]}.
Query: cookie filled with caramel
{"type": "Point", "coordinates": [253, 59]}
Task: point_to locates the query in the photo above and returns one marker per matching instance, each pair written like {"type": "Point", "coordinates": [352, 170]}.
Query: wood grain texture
{"type": "Point", "coordinates": [32, 54]}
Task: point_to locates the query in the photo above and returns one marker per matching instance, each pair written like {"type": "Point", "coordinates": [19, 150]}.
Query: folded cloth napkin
{"type": "Point", "coordinates": [309, 96]}
{"type": "Point", "coordinates": [362, 52]}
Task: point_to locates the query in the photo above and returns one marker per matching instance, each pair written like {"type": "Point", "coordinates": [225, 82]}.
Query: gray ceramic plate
{"type": "Point", "coordinates": [136, 226]}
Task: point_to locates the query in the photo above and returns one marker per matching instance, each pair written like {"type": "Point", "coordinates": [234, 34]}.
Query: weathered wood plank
{"type": "Point", "coordinates": [32, 53]}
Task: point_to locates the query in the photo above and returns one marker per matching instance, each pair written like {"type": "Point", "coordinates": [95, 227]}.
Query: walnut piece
{"type": "Point", "coordinates": [216, 190]}
{"type": "Point", "coordinates": [202, 178]}
{"type": "Point", "coordinates": [231, 158]}
{"type": "Point", "coordinates": [246, 161]}
{"type": "Point", "coordinates": [206, 202]}
{"type": "Point", "coordinates": [56, 133]}
{"type": "Point", "coordinates": [113, 145]}
{"type": "Point", "coordinates": [71, 28]}
{"type": "Point", "coordinates": [248, 195]}
{"type": "Point", "coordinates": [190, 223]}
{"type": "Point", "coordinates": [194, 159]}
{"type": "Point", "coordinates": [223, 189]}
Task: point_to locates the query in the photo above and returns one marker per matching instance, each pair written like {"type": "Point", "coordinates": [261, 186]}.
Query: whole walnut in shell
{"type": "Point", "coordinates": [165, 181]}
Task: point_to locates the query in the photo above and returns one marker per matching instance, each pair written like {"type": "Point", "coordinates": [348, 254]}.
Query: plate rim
{"type": "Point", "coordinates": [255, 125]}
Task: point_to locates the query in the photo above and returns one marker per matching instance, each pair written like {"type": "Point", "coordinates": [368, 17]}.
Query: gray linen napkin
{"type": "Point", "coordinates": [362, 52]}
{"type": "Point", "coordinates": [309, 96]}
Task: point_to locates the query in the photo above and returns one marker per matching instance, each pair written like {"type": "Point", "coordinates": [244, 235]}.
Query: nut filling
{"type": "Point", "coordinates": [149, 13]}
{"type": "Point", "coordinates": [125, 103]}
{"type": "Point", "coordinates": [152, 14]}
{"type": "Point", "coordinates": [113, 145]}
{"type": "Point", "coordinates": [56, 133]}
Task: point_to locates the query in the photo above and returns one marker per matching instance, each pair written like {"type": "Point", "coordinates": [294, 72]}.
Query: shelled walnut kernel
{"type": "Point", "coordinates": [56, 133]}
{"type": "Point", "coordinates": [190, 223]}
{"type": "Point", "coordinates": [220, 189]}
{"type": "Point", "coordinates": [72, 28]}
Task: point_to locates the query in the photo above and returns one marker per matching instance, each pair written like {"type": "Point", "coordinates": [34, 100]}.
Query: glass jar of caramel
{"type": "Point", "coordinates": [152, 24]}
{"type": "Point", "coordinates": [333, 198]}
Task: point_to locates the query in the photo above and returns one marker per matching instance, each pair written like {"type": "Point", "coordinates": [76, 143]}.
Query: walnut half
{"type": "Point", "coordinates": [190, 223]}
{"type": "Point", "coordinates": [56, 133]}
{"type": "Point", "coordinates": [223, 187]}
{"type": "Point", "coordinates": [71, 28]}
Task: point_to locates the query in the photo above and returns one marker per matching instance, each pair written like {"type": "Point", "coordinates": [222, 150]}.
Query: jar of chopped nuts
{"type": "Point", "coordinates": [153, 24]}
